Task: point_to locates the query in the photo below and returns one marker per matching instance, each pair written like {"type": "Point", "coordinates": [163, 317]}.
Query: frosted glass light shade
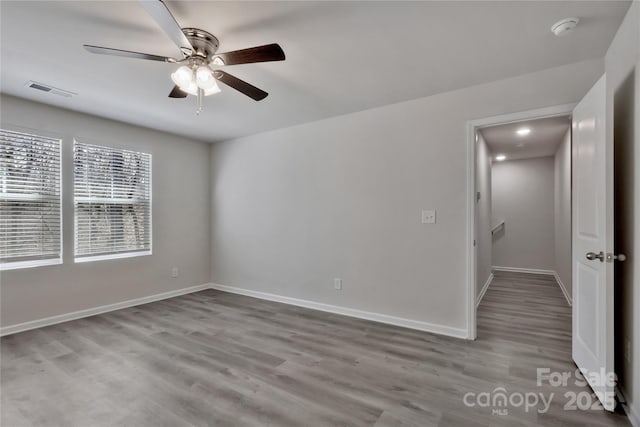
{"type": "Point", "coordinates": [183, 76]}
{"type": "Point", "coordinates": [206, 81]}
{"type": "Point", "coordinates": [185, 79]}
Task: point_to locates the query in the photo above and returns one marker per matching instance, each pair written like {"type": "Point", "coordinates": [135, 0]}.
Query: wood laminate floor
{"type": "Point", "coordinates": [217, 359]}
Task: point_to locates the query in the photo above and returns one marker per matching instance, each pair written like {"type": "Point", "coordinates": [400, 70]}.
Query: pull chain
{"type": "Point", "coordinates": [200, 97]}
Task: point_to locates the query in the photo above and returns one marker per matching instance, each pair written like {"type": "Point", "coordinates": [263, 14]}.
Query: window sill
{"type": "Point", "coordinates": [29, 264]}
{"type": "Point", "coordinates": [111, 256]}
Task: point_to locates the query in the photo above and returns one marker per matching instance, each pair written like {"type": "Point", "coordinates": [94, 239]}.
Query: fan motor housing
{"type": "Point", "coordinates": [205, 44]}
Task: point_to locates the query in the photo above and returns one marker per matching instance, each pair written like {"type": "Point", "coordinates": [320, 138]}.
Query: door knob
{"type": "Point", "coordinates": [592, 255]}
{"type": "Point", "coordinates": [619, 257]}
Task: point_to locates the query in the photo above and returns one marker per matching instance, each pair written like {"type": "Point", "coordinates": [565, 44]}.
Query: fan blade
{"type": "Point", "coordinates": [241, 86]}
{"type": "Point", "coordinates": [177, 93]}
{"type": "Point", "coordinates": [266, 53]}
{"type": "Point", "coordinates": [163, 17]}
{"type": "Point", "coordinates": [126, 53]}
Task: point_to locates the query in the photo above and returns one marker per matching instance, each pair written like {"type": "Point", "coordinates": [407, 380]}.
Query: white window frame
{"type": "Point", "coordinates": [119, 255]}
{"type": "Point", "coordinates": [15, 265]}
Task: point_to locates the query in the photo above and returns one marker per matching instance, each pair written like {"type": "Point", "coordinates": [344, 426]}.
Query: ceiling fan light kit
{"type": "Point", "coordinates": [198, 47]}
{"type": "Point", "coordinates": [190, 79]}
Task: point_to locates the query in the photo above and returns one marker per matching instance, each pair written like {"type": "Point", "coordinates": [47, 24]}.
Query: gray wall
{"type": "Point", "coordinates": [523, 196]}
{"type": "Point", "coordinates": [296, 207]}
{"type": "Point", "coordinates": [181, 212]}
{"type": "Point", "coordinates": [562, 211]}
{"type": "Point", "coordinates": [623, 92]}
{"type": "Point", "coordinates": [483, 213]}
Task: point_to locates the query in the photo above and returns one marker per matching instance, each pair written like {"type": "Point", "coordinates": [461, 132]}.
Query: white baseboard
{"type": "Point", "coordinates": [484, 290]}
{"type": "Point", "coordinates": [634, 417]}
{"type": "Point", "coordinates": [47, 321]}
{"type": "Point", "coordinates": [367, 315]}
{"type": "Point", "coordinates": [563, 288]}
{"type": "Point", "coordinates": [522, 270]}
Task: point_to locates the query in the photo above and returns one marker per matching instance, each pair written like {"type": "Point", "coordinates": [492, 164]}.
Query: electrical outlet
{"type": "Point", "coordinates": [175, 272]}
{"type": "Point", "coordinates": [429, 217]}
{"type": "Point", "coordinates": [337, 284]}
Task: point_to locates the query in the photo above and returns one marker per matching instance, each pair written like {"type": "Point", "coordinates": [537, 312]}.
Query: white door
{"type": "Point", "coordinates": [592, 241]}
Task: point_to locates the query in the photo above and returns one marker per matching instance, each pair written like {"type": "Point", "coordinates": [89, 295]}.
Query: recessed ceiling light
{"type": "Point", "coordinates": [523, 131]}
{"type": "Point", "coordinates": [501, 157]}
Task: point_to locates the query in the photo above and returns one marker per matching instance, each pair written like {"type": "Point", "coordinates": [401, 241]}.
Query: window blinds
{"type": "Point", "coordinates": [29, 199]}
{"type": "Point", "coordinates": [112, 200]}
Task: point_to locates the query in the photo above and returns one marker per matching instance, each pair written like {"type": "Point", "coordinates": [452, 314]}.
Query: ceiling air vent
{"type": "Point", "coordinates": [49, 89]}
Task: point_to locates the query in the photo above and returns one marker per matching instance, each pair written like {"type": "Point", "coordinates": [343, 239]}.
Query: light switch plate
{"type": "Point", "coordinates": [429, 216]}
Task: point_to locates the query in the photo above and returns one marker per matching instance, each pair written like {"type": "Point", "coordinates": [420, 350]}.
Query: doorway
{"type": "Point", "coordinates": [485, 225]}
{"type": "Point", "coordinates": [601, 169]}
{"type": "Point", "coordinates": [523, 232]}
{"type": "Point", "coordinates": [523, 201]}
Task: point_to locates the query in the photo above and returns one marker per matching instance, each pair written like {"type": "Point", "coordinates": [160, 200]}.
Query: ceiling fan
{"type": "Point", "coordinates": [199, 72]}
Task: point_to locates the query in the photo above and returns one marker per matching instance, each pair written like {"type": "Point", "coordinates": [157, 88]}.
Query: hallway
{"type": "Point", "coordinates": [526, 308]}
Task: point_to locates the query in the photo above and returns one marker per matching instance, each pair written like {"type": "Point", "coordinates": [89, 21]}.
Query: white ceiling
{"type": "Point", "coordinates": [543, 140]}
{"type": "Point", "coordinates": [341, 56]}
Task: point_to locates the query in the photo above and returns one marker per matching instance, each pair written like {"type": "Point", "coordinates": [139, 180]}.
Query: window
{"type": "Point", "coordinates": [112, 200]}
{"type": "Point", "coordinates": [30, 217]}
